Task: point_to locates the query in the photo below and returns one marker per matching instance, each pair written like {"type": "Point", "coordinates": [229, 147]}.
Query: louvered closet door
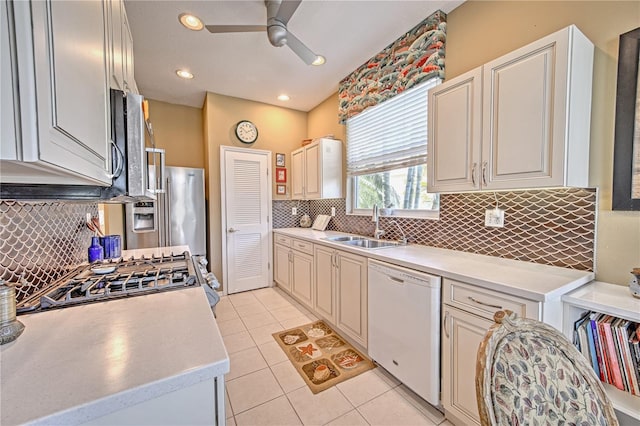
{"type": "Point", "coordinates": [247, 220]}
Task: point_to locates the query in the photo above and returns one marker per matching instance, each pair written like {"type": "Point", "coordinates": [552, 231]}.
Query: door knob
{"type": "Point", "coordinates": [232, 230]}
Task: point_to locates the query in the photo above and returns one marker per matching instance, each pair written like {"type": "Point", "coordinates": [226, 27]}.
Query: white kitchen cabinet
{"type": "Point", "coordinates": [9, 84]}
{"type": "Point", "coordinates": [302, 277]}
{"type": "Point", "coordinates": [324, 300]}
{"type": "Point", "coordinates": [351, 292]}
{"type": "Point", "coordinates": [462, 334]}
{"type": "Point", "coordinates": [127, 50]}
{"type": "Point", "coordinates": [340, 291]}
{"type": "Point", "coordinates": [316, 170]}
{"type": "Point", "coordinates": [115, 25]}
{"type": "Point", "coordinates": [293, 268]}
{"type": "Point", "coordinates": [63, 90]}
{"type": "Point", "coordinates": [519, 121]}
{"type": "Point", "coordinates": [120, 48]}
{"type": "Point", "coordinates": [455, 133]}
{"type": "Point", "coordinates": [467, 314]}
{"type": "Point", "coordinates": [282, 266]}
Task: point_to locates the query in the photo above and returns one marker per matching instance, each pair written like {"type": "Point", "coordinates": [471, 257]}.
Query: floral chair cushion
{"type": "Point", "coordinates": [529, 374]}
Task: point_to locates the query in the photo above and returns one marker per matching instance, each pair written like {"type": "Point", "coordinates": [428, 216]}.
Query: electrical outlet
{"type": "Point", "coordinates": [294, 211]}
{"type": "Point", "coordinates": [494, 218]}
{"type": "Point", "coordinates": [333, 211]}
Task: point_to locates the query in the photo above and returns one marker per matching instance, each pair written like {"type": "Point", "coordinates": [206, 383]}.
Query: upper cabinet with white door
{"type": "Point", "coordinates": [520, 121]}
{"type": "Point", "coordinates": [120, 48]}
{"type": "Point", "coordinates": [62, 125]}
{"type": "Point", "coordinates": [62, 57]}
{"type": "Point", "coordinates": [316, 170]}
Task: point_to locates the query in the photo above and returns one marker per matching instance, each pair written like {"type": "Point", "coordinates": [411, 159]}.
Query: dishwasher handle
{"type": "Point", "coordinates": [398, 280]}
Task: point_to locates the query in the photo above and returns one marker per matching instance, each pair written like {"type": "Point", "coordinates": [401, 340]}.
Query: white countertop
{"type": "Point", "coordinates": [524, 279]}
{"type": "Point", "coordinates": [79, 363]}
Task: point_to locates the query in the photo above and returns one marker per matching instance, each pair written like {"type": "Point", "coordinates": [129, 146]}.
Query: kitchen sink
{"type": "Point", "coordinates": [372, 244]}
{"type": "Point", "coordinates": [345, 238]}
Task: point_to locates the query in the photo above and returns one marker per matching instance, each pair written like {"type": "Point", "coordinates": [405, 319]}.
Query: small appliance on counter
{"type": "Point", "coordinates": [305, 221]}
{"type": "Point", "coordinates": [10, 327]}
{"type": "Point", "coordinates": [634, 284]}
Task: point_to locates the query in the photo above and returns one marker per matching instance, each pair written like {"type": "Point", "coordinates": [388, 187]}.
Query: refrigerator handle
{"type": "Point", "coordinates": [158, 186]}
{"type": "Point", "coordinates": [167, 219]}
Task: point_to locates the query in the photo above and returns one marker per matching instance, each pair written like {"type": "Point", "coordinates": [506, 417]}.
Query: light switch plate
{"type": "Point", "coordinates": [494, 218]}
{"type": "Point", "coordinates": [294, 211]}
{"type": "Point", "coordinates": [333, 211]}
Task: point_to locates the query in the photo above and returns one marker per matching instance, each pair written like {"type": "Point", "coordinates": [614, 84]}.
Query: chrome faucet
{"type": "Point", "coordinates": [374, 218]}
{"type": "Point", "coordinates": [402, 240]}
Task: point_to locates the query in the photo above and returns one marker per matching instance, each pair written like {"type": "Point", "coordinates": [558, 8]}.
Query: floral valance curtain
{"type": "Point", "coordinates": [416, 56]}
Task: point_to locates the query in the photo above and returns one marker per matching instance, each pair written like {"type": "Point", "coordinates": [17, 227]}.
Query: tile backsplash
{"type": "Point", "coordinates": [40, 241]}
{"type": "Point", "coordinates": [548, 226]}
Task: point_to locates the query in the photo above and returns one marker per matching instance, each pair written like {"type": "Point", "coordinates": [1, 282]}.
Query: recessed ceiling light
{"type": "Point", "coordinates": [191, 22]}
{"type": "Point", "coordinates": [184, 74]}
{"type": "Point", "coordinates": [283, 98]}
{"type": "Point", "coordinates": [319, 60]}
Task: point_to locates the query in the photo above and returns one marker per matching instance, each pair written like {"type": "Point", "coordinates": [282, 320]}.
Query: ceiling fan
{"type": "Point", "coordinates": [279, 12]}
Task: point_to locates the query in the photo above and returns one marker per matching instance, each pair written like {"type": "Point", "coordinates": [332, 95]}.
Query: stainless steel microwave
{"type": "Point", "coordinates": [138, 171]}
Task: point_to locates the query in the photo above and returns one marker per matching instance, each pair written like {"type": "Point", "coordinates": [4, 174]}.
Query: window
{"type": "Point", "coordinates": [387, 156]}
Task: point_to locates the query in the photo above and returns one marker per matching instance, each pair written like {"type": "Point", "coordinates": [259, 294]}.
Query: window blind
{"type": "Point", "coordinates": [390, 135]}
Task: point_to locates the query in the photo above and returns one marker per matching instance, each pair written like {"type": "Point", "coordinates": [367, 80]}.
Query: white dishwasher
{"type": "Point", "coordinates": [404, 326]}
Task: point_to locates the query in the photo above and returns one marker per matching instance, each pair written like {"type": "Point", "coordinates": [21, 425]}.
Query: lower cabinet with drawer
{"type": "Point", "coordinates": [340, 291]}
{"type": "Point", "coordinates": [293, 268]}
{"type": "Point", "coordinates": [467, 314]}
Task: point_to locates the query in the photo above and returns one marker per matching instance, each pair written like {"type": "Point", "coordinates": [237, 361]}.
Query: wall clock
{"type": "Point", "coordinates": [246, 131]}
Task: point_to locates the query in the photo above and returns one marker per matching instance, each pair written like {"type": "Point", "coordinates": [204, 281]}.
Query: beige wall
{"type": "Point", "coordinates": [178, 129]}
{"type": "Point", "coordinates": [323, 120]}
{"type": "Point", "coordinates": [279, 130]}
{"type": "Point", "coordinates": [479, 31]}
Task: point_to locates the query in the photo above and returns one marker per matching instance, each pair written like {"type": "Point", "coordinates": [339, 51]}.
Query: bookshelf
{"type": "Point", "coordinates": [609, 299]}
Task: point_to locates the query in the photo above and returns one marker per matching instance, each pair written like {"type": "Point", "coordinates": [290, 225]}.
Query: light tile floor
{"type": "Point", "coordinates": [263, 388]}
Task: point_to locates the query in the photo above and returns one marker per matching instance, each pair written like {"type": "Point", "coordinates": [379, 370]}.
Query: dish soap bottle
{"type": "Point", "coordinates": [96, 251]}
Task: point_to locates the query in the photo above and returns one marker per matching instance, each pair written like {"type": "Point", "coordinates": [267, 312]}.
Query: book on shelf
{"type": "Point", "coordinates": [634, 345]}
{"type": "Point", "coordinates": [593, 349]}
{"type": "Point", "coordinates": [622, 330]}
{"type": "Point", "coordinates": [593, 319]}
{"type": "Point", "coordinates": [612, 347]}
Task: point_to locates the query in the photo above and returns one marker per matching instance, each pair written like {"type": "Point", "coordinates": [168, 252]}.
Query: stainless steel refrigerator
{"type": "Point", "coordinates": [176, 217]}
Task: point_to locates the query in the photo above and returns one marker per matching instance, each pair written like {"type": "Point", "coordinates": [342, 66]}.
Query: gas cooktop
{"type": "Point", "coordinates": [116, 279]}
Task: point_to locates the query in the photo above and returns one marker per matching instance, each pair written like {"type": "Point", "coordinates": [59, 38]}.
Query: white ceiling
{"type": "Point", "coordinates": [245, 65]}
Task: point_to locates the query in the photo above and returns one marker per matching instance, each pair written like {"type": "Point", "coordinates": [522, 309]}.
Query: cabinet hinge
{"type": "Point", "coordinates": [268, 265]}
{"type": "Point", "coordinates": [267, 218]}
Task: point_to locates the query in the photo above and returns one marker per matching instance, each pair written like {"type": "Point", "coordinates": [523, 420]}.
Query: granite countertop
{"type": "Point", "coordinates": [524, 279]}
{"type": "Point", "coordinates": [76, 364]}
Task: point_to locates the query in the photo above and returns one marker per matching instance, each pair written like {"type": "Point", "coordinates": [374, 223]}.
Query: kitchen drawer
{"type": "Point", "coordinates": [285, 241]}
{"type": "Point", "coordinates": [303, 246]}
{"type": "Point", "coordinates": [485, 302]}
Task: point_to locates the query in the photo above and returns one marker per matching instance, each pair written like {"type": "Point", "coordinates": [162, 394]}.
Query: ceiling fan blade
{"type": "Point", "coordinates": [300, 49]}
{"type": "Point", "coordinates": [287, 9]}
{"type": "Point", "coordinates": [235, 28]}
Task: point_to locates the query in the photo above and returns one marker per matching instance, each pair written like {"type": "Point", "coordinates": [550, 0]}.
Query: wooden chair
{"type": "Point", "coordinates": [528, 373]}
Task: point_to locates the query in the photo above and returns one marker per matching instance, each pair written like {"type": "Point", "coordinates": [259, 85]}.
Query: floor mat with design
{"type": "Point", "coordinates": [321, 356]}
